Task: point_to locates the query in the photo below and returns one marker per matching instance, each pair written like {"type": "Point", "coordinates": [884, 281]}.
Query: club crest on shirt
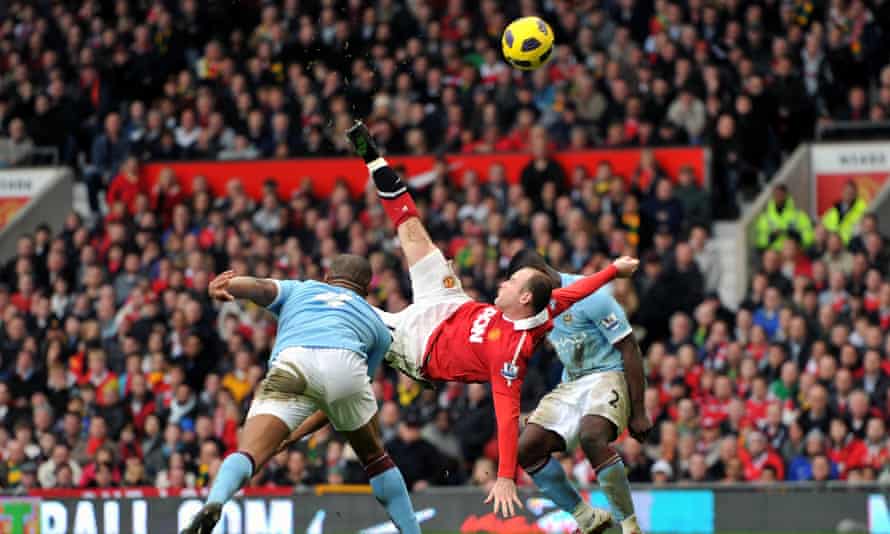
{"type": "Point", "coordinates": [567, 318]}
{"type": "Point", "coordinates": [609, 322]}
{"type": "Point", "coordinates": [510, 371]}
{"type": "Point", "coordinates": [494, 334]}
{"type": "Point", "coordinates": [449, 282]}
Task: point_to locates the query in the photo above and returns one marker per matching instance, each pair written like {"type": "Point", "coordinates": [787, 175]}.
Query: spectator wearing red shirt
{"type": "Point", "coordinates": [104, 458]}
{"type": "Point", "coordinates": [98, 375]}
{"type": "Point", "coordinates": [758, 344]}
{"type": "Point", "coordinates": [165, 194]}
{"type": "Point", "coordinates": [795, 262]}
{"type": "Point", "coordinates": [668, 374]}
{"type": "Point", "coordinates": [139, 401]}
{"type": "Point", "coordinates": [836, 295]}
{"type": "Point", "coordinates": [717, 405]}
{"type": "Point", "coordinates": [692, 370]}
{"type": "Point", "coordinates": [126, 186]}
{"type": "Point", "coordinates": [883, 309]}
{"type": "Point", "coordinates": [758, 401]}
{"type": "Point", "coordinates": [845, 450]}
{"type": "Point", "coordinates": [21, 299]}
{"type": "Point", "coordinates": [871, 297]}
{"type": "Point", "coordinates": [756, 456]}
{"type": "Point", "coordinates": [97, 437]}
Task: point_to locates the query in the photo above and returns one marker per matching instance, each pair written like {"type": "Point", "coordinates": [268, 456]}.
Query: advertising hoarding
{"type": "Point", "coordinates": [148, 512]}
{"type": "Point", "coordinates": [834, 164]}
{"type": "Point", "coordinates": [18, 187]}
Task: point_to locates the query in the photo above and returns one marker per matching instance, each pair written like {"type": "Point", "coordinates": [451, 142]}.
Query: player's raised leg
{"type": "Point", "coordinates": [596, 433]}
{"type": "Point", "coordinates": [386, 480]}
{"type": "Point", "coordinates": [536, 448]}
{"type": "Point", "coordinates": [394, 195]}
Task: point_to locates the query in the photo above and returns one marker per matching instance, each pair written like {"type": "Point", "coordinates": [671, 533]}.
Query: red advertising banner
{"type": "Point", "coordinates": [324, 173]}
{"type": "Point", "coordinates": [9, 206]}
{"type": "Point", "coordinates": [834, 164]}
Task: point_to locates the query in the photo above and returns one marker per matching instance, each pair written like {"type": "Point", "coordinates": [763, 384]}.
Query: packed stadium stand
{"type": "Point", "coordinates": [117, 369]}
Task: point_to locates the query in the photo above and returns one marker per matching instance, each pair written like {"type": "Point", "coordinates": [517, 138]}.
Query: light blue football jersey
{"type": "Point", "coordinates": [317, 315]}
{"type": "Point", "coordinates": [585, 334]}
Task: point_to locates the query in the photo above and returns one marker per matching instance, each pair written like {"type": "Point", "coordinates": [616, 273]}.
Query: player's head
{"type": "Point", "coordinates": [350, 271]}
{"type": "Point", "coordinates": [524, 294]}
{"type": "Point", "coordinates": [529, 258]}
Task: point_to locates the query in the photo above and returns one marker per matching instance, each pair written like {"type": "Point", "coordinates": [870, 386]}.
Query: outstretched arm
{"type": "Point", "coordinates": [312, 424]}
{"type": "Point", "coordinates": [227, 287]}
{"type": "Point", "coordinates": [506, 376]}
{"type": "Point", "coordinates": [503, 494]}
{"type": "Point", "coordinates": [564, 297]}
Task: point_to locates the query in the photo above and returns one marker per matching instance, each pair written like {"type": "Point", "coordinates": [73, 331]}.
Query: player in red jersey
{"type": "Point", "coordinates": [446, 336]}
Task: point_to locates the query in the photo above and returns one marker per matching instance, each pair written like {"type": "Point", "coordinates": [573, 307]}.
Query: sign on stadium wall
{"type": "Point", "coordinates": [150, 511]}
{"type": "Point", "coordinates": [18, 187]}
{"type": "Point", "coordinates": [325, 172]}
{"type": "Point", "coordinates": [834, 164]}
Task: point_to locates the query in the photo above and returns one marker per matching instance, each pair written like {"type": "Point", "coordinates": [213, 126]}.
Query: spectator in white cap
{"type": "Point", "coordinates": [662, 472]}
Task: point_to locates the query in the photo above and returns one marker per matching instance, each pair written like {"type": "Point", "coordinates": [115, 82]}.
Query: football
{"type": "Point", "coordinates": [527, 43]}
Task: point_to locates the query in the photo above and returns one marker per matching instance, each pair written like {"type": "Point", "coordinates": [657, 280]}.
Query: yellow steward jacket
{"type": "Point", "coordinates": [773, 226]}
{"type": "Point", "coordinates": [844, 222]}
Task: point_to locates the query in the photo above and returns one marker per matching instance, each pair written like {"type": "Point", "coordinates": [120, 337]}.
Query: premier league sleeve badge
{"type": "Point", "coordinates": [510, 372]}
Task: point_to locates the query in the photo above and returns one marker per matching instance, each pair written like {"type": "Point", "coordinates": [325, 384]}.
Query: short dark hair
{"type": "Point", "coordinates": [531, 259]}
{"type": "Point", "coordinates": [540, 286]}
{"type": "Point", "coordinates": [351, 271]}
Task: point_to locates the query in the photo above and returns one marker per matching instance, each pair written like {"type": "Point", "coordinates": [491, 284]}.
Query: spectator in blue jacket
{"type": "Point", "coordinates": [109, 151]}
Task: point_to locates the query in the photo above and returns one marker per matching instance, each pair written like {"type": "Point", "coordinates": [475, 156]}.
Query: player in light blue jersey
{"type": "Point", "coordinates": [600, 395]}
{"type": "Point", "coordinates": [330, 341]}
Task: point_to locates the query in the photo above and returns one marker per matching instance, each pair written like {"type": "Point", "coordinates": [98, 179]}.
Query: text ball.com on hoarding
{"type": "Point", "coordinates": [149, 511]}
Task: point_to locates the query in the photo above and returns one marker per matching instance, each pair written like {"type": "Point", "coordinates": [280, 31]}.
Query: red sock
{"type": "Point", "coordinates": [400, 209]}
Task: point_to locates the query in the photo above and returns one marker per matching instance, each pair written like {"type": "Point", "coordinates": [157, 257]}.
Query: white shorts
{"type": "Point", "coordinates": [604, 394]}
{"type": "Point", "coordinates": [437, 295]}
{"type": "Point", "coordinates": [332, 380]}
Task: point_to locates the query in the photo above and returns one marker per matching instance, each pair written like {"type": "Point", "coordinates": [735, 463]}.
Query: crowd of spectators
{"type": "Point", "coordinates": [184, 79]}
{"type": "Point", "coordinates": [117, 369]}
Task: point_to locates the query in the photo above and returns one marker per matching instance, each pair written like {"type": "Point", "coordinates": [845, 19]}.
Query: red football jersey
{"type": "Point", "coordinates": [477, 343]}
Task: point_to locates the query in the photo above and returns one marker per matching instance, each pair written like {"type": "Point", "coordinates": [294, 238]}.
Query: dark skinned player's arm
{"type": "Point", "coordinates": [259, 290]}
{"type": "Point", "coordinates": [312, 424]}
{"type": "Point", "coordinates": [633, 373]}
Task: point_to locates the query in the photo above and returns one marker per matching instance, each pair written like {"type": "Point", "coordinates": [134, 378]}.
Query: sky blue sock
{"type": "Point", "coordinates": [553, 483]}
{"type": "Point", "coordinates": [389, 488]}
{"type": "Point", "coordinates": [234, 472]}
{"type": "Point", "coordinates": [613, 480]}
